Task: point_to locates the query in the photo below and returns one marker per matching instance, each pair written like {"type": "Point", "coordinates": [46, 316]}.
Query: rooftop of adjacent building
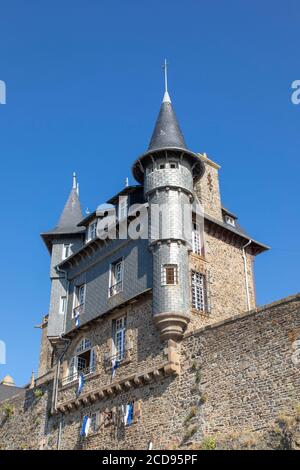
{"type": "Point", "coordinates": [8, 389]}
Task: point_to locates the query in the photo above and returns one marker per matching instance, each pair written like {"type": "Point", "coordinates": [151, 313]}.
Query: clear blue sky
{"type": "Point", "coordinates": [84, 86]}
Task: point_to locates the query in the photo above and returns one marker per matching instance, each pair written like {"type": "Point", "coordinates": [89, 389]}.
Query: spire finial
{"type": "Point", "coordinates": [74, 181]}
{"type": "Point", "coordinates": [166, 98]}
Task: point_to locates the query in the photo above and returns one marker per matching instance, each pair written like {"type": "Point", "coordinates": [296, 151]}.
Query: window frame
{"type": "Point", "coordinates": [229, 220]}
{"type": "Point", "coordinates": [199, 291]}
{"type": "Point", "coordinates": [123, 207]}
{"type": "Point", "coordinates": [119, 333]}
{"type": "Point", "coordinates": [165, 273]}
{"type": "Point", "coordinates": [66, 250]}
{"type": "Point", "coordinates": [63, 304]}
{"type": "Point", "coordinates": [92, 231]}
{"type": "Point", "coordinates": [113, 282]}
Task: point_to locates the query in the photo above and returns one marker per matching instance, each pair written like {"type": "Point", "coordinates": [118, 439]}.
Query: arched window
{"type": "Point", "coordinates": [83, 362]}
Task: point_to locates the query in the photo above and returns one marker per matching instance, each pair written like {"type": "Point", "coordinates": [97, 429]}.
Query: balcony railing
{"type": "Point", "coordinates": [116, 288]}
{"type": "Point", "coordinates": [119, 357]}
{"type": "Point", "coordinates": [74, 376]}
{"type": "Point", "coordinates": [77, 311]}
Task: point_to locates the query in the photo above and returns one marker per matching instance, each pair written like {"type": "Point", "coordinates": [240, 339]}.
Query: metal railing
{"type": "Point", "coordinates": [116, 288]}
{"type": "Point", "coordinates": [108, 360]}
{"type": "Point", "coordinates": [74, 376]}
{"type": "Point", "coordinates": [78, 310]}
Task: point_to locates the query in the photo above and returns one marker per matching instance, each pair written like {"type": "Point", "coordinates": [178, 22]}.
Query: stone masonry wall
{"type": "Point", "coordinates": [236, 375]}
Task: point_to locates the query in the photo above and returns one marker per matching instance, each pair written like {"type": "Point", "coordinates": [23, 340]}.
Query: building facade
{"type": "Point", "coordinates": [150, 338]}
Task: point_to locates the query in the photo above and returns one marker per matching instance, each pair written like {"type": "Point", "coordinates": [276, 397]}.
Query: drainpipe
{"type": "Point", "coordinates": [246, 273]}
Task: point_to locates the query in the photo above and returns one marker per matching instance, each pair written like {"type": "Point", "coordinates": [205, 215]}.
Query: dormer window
{"type": "Point", "coordinates": [229, 220]}
{"type": "Point", "coordinates": [92, 231]}
{"type": "Point", "coordinates": [123, 207]}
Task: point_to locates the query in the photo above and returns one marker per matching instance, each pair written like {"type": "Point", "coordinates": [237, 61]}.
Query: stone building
{"type": "Point", "coordinates": [158, 337]}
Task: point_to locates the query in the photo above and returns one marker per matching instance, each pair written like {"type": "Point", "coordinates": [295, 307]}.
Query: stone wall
{"type": "Point", "coordinates": [235, 376]}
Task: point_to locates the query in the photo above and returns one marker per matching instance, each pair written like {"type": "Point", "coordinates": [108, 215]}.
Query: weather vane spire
{"type": "Point", "coordinates": [166, 95]}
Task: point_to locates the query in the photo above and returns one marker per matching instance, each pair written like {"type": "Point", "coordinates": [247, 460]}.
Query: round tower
{"type": "Point", "coordinates": [168, 171]}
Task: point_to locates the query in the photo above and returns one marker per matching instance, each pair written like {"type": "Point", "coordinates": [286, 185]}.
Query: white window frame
{"type": "Point", "coordinates": [76, 299]}
{"type": "Point", "coordinates": [73, 369]}
{"type": "Point", "coordinates": [199, 294]}
{"type": "Point", "coordinates": [164, 268]}
{"type": "Point", "coordinates": [197, 245]}
{"type": "Point", "coordinates": [123, 207]}
{"type": "Point", "coordinates": [66, 250]}
{"type": "Point", "coordinates": [63, 304]}
{"type": "Point", "coordinates": [80, 294]}
{"type": "Point", "coordinates": [92, 231]}
{"type": "Point", "coordinates": [230, 220]}
{"type": "Point", "coordinates": [116, 277]}
{"type": "Point", "coordinates": [119, 337]}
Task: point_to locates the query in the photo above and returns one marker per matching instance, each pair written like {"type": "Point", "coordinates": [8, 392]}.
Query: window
{"type": "Point", "coordinates": [229, 220]}
{"type": "Point", "coordinates": [173, 165]}
{"type": "Point", "coordinates": [116, 277]}
{"type": "Point", "coordinates": [92, 231]}
{"type": "Point", "coordinates": [162, 166]}
{"type": "Point", "coordinates": [123, 207]}
{"type": "Point", "coordinates": [198, 291]}
{"type": "Point", "coordinates": [129, 413]}
{"type": "Point", "coordinates": [83, 362]}
{"type": "Point", "coordinates": [66, 250]}
{"type": "Point", "coordinates": [94, 422]}
{"type": "Point", "coordinates": [79, 300]}
{"type": "Point", "coordinates": [63, 304]}
{"type": "Point", "coordinates": [197, 245]}
{"type": "Point", "coordinates": [169, 274]}
{"type": "Point", "coordinates": [81, 294]}
{"type": "Point", "coordinates": [119, 338]}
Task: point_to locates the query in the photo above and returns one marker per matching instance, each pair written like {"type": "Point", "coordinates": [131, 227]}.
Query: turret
{"type": "Point", "coordinates": [63, 240]}
{"type": "Point", "coordinates": [168, 171]}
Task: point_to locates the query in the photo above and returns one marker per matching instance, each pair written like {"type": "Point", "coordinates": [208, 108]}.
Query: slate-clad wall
{"type": "Point", "coordinates": [95, 273]}
{"type": "Point", "coordinates": [58, 284]}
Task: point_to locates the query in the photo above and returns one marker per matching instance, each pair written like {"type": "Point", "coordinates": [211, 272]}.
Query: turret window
{"type": "Point", "coordinates": [169, 274]}
{"type": "Point", "coordinates": [198, 291]}
{"type": "Point", "coordinates": [66, 250]}
{"type": "Point", "coordinates": [63, 304]}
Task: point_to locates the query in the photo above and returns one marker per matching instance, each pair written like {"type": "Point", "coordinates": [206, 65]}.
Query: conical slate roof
{"type": "Point", "coordinates": [167, 133]}
{"type": "Point", "coordinates": [70, 217]}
